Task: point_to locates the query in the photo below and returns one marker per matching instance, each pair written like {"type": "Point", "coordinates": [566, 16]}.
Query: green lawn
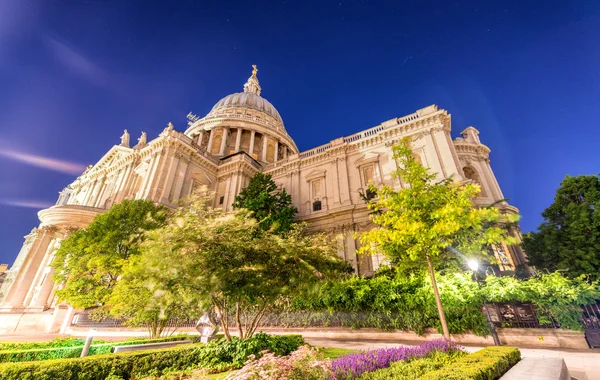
{"type": "Point", "coordinates": [333, 353]}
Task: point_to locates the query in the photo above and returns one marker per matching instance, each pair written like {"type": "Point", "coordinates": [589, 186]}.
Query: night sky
{"type": "Point", "coordinates": [74, 74]}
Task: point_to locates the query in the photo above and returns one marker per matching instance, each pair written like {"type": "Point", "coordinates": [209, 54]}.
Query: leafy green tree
{"type": "Point", "coordinates": [229, 262]}
{"type": "Point", "coordinates": [569, 237]}
{"type": "Point", "coordinates": [143, 296]}
{"type": "Point", "coordinates": [425, 219]}
{"type": "Point", "coordinates": [272, 208]}
{"type": "Point", "coordinates": [89, 262]}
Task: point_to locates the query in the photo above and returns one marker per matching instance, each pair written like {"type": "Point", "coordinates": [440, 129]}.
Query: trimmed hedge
{"type": "Point", "coordinates": [487, 364]}
{"type": "Point", "coordinates": [415, 368]}
{"type": "Point", "coordinates": [55, 343]}
{"type": "Point", "coordinates": [74, 352]}
{"type": "Point", "coordinates": [218, 355]}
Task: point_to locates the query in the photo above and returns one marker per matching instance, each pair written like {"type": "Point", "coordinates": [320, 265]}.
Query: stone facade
{"type": "Point", "coordinates": [241, 135]}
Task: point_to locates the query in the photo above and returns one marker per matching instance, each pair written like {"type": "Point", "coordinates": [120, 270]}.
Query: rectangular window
{"type": "Point", "coordinates": [222, 199]}
{"type": "Point", "coordinates": [316, 206]}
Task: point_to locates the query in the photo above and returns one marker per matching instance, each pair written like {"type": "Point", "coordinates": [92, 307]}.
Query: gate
{"type": "Point", "coordinates": [591, 324]}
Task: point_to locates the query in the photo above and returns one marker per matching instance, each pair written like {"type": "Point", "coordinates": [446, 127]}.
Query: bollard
{"type": "Point", "coordinates": [88, 343]}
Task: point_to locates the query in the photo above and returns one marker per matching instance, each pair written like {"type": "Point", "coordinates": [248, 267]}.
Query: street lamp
{"type": "Point", "coordinates": [474, 265]}
{"type": "Point", "coordinates": [88, 343]}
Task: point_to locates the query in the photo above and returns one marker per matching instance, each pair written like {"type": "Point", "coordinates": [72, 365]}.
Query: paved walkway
{"type": "Point", "coordinates": [582, 364]}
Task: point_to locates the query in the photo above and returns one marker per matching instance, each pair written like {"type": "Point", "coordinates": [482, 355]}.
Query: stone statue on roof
{"type": "Point", "coordinates": [125, 139]}
{"type": "Point", "coordinates": [143, 139]}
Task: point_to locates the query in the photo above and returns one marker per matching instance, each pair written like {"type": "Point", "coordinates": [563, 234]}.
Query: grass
{"type": "Point", "coordinates": [334, 353]}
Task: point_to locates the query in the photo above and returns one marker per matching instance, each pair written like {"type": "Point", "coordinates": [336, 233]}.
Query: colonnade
{"type": "Point", "coordinates": [218, 144]}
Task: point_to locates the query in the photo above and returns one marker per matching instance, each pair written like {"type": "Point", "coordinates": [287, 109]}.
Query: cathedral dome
{"type": "Point", "coordinates": [244, 114]}
{"type": "Point", "coordinates": [246, 100]}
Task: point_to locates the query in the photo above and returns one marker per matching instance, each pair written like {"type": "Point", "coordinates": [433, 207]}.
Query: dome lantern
{"type": "Point", "coordinates": [252, 85]}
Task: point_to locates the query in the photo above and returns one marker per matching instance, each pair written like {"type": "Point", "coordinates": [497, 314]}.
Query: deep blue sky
{"type": "Point", "coordinates": [74, 74]}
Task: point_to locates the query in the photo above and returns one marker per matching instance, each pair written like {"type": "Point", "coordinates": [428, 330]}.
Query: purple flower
{"type": "Point", "coordinates": [354, 365]}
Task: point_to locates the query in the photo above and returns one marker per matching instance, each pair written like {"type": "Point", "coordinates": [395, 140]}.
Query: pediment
{"type": "Point", "coordinates": [113, 155]}
{"type": "Point", "coordinates": [316, 174]}
{"type": "Point", "coordinates": [367, 158]}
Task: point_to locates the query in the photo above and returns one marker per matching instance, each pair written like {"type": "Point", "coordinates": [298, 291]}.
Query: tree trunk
{"type": "Point", "coordinates": [438, 300]}
{"type": "Point", "coordinates": [238, 320]}
{"type": "Point", "coordinates": [222, 318]}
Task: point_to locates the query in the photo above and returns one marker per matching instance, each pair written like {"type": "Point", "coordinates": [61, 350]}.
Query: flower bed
{"type": "Point", "coordinates": [354, 365]}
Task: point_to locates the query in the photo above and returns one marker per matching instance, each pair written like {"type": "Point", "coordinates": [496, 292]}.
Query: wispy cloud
{"type": "Point", "coordinates": [76, 61]}
{"type": "Point", "coordinates": [43, 162]}
{"type": "Point", "coordinates": [25, 203]}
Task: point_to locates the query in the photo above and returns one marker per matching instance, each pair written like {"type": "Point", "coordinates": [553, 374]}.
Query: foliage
{"type": "Point", "coordinates": [144, 297]}
{"type": "Point", "coordinates": [407, 303]}
{"type": "Point", "coordinates": [138, 364]}
{"type": "Point", "coordinates": [352, 366]}
{"type": "Point", "coordinates": [273, 208]}
{"type": "Point", "coordinates": [73, 351]}
{"type": "Point", "coordinates": [226, 261]}
{"type": "Point", "coordinates": [305, 363]}
{"type": "Point", "coordinates": [569, 237]}
{"type": "Point", "coordinates": [423, 220]}
{"type": "Point", "coordinates": [55, 343]}
{"type": "Point", "coordinates": [415, 368]}
{"type": "Point", "coordinates": [399, 302]}
{"type": "Point", "coordinates": [487, 364]}
{"type": "Point", "coordinates": [89, 262]}
{"type": "Point", "coordinates": [554, 295]}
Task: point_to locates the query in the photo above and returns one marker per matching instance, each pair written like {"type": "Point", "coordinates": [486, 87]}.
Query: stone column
{"type": "Point", "coordinates": [98, 202]}
{"type": "Point", "coordinates": [252, 134]}
{"type": "Point", "coordinates": [41, 279]}
{"type": "Point", "coordinates": [152, 172]}
{"type": "Point", "coordinates": [264, 151]}
{"type": "Point", "coordinates": [200, 137]}
{"type": "Point", "coordinates": [181, 171]}
{"type": "Point", "coordinates": [223, 142]}
{"type": "Point", "coordinates": [285, 151]}
{"type": "Point", "coordinates": [210, 140]}
{"type": "Point", "coordinates": [26, 275]}
{"type": "Point", "coordinates": [238, 139]}
{"type": "Point", "coordinates": [170, 177]}
{"type": "Point", "coordinates": [122, 189]}
{"type": "Point", "coordinates": [276, 151]}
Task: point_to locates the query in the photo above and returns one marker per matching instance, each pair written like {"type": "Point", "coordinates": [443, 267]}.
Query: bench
{"type": "Point", "coordinates": [148, 346]}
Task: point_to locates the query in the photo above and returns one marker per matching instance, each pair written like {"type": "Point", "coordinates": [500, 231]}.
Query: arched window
{"type": "Point", "coordinates": [471, 173]}
{"type": "Point", "coordinates": [418, 158]}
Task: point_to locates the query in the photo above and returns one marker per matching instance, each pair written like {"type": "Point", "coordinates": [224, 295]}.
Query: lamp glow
{"type": "Point", "coordinates": [473, 264]}
{"type": "Point", "coordinates": [91, 332]}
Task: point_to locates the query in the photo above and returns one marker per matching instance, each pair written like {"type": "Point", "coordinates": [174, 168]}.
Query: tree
{"type": "Point", "coordinates": [144, 297]}
{"type": "Point", "coordinates": [569, 237]}
{"type": "Point", "coordinates": [89, 262]}
{"type": "Point", "coordinates": [229, 262]}
{"type": "Point", "coordinates": [424, 220]}
{"type": "Point", "coordinates": [272, 208]}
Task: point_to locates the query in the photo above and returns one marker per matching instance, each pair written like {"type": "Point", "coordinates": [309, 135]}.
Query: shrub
{"type": "Point", "coordinates": [304, 363]}
{"type": "Point", "coordinates": [353, 366]}
{"type": "Point", "coordinates": [487, 364]}
{"type": "Point", "coordinates": [415, 368]}
{"type": "Point", "coordinates": [151, 362]}
{"type": "Point", "coordinates": [75, 351]}
{"type": "Point", "coordinates": [55, 343]}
